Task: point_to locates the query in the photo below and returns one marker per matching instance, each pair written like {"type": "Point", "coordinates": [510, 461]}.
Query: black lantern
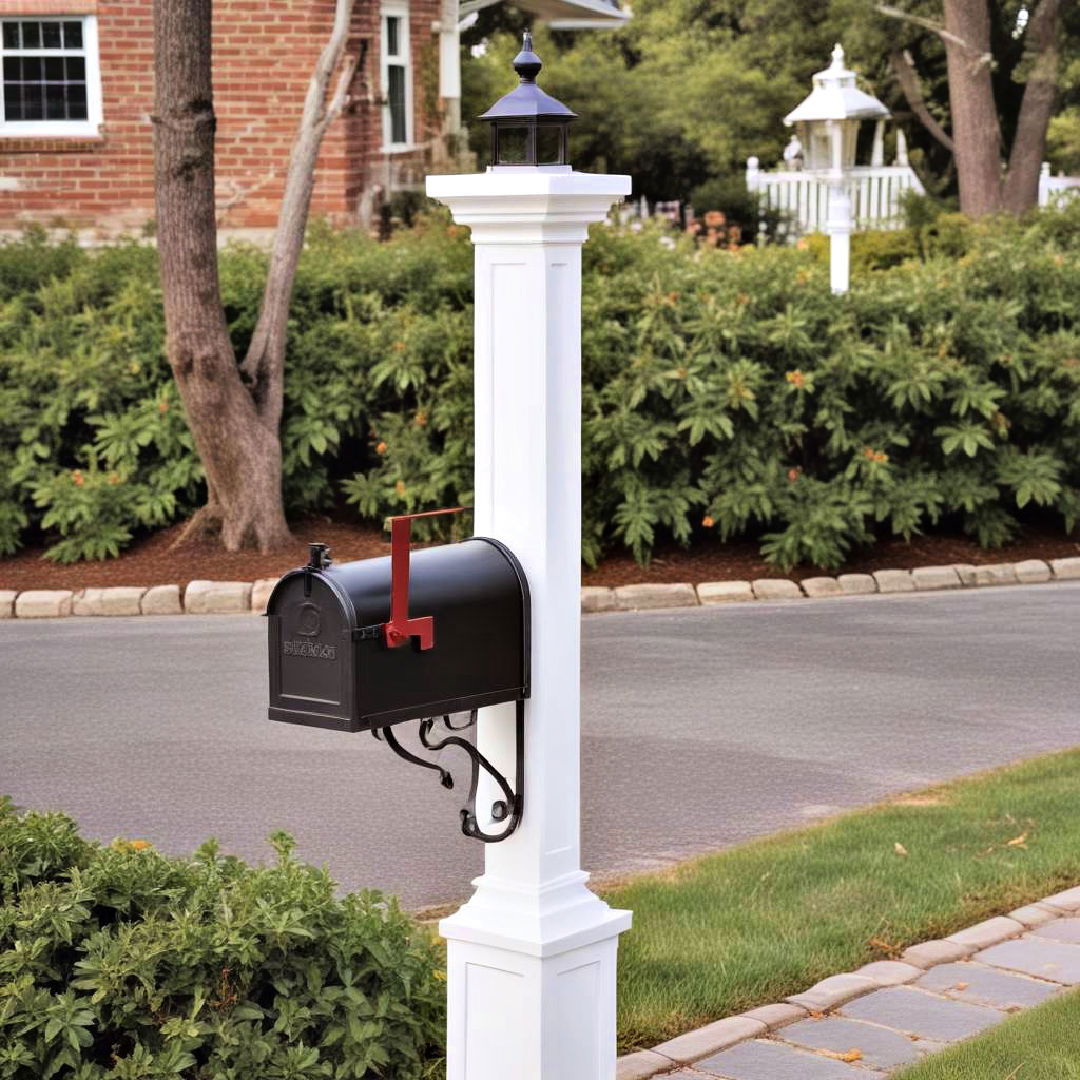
{"type": "Point", "coordinates": [528, 127]}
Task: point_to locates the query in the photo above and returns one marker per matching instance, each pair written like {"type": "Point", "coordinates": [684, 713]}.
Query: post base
{"type": "Point", "coordinates": [531, 983]}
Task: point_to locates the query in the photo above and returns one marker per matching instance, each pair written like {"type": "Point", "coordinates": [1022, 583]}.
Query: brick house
{"type": "Point", "coordinates": [75, 130]}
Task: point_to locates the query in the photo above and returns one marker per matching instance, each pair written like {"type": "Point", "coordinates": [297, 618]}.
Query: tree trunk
{"type": "Point", "coordinates": [976, 133]}
{"type": "Point", "coordinates": [1043, 52]}
{"type": "Point", "coordinates": [239, 449]}
{"type": "Point", "coordinates": [264, 365]}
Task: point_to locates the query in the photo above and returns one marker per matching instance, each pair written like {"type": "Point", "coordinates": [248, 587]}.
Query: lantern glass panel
{"type": "Point", "coordinates": [513, 144]}
{"type": "Point", "coordinates": [549, 148]}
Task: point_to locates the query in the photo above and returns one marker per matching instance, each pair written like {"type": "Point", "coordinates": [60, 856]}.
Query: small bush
{"type": "Point", "coordinates": [726, 391]}
{"type": "Point", "coordinates": [119, 963]}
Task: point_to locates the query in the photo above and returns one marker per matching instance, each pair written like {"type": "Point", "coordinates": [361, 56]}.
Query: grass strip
{"type": "Point", "coordinates": [745, 927]}
{"type": "Point", "coordinates": [1043, 1044]}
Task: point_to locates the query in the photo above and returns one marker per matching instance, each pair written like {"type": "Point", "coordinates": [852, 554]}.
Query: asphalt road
{"type": "Point", "coordinates": [702, 727]}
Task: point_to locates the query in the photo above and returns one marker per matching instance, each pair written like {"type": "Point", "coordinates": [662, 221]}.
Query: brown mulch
{"type": "Point", "coordinates": [152, 561]}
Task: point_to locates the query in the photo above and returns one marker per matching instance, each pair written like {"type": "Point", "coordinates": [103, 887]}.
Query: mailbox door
{"type": "Point", "coordinates": [311, 655]}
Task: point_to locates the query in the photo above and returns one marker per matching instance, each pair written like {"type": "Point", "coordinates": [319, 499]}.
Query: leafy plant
{"type": "Point", "coordinates": [722, 391]}
{"type": "Point", "coordinates": [120, 963]}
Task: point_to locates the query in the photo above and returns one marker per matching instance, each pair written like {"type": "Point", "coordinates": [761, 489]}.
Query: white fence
{"type": "Point", "coordinates": [803, 196]}
{"type": "Point", "coordinates": [1052, 188]}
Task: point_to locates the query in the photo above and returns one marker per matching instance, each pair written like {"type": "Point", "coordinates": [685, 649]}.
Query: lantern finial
{"type": "Point", "coordinates": [838, 57]}
{"type": "Point", "coordinates": [527, 64]}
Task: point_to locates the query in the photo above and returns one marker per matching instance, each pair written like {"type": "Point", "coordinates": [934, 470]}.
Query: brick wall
{"type": "Point", "coordinates": [262, 63]}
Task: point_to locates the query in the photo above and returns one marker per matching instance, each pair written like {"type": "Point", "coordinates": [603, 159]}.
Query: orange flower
{"type": "Point", "coordinates": [399, 487]}
{"type": "Point", "coordinates": [793, 475]}
{"type": "Point", "coordinates": [162, 406]}
{"type": "Point", "coordinates": [114, 478]}
{"type": "Point", "coordinates": [140, 845]}
{"type": "Point", "coordinates": [796, 378]}
{"type": "Point", "coordinates": [421, 419]}
{"type": "Point", "coordinates": [77, 478]}
{"type": "Point", "coordinates": [399, 346]}
{"type": "Point", "coordinates": [381, 448]}
{"type": "Point", "coordinates": [707, 522]}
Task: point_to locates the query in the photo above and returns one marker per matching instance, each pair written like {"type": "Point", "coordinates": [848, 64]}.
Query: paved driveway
{"type": "Point", "coordinates": [702, 727]}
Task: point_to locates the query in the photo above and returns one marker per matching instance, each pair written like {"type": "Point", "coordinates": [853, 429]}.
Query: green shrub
{"type": "Point", "coordinates": [119, 963]}
{"type": "Point", "coordinates": [726, 391]}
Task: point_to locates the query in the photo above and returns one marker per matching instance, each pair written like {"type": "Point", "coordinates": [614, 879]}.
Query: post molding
{"type": "Point", "coordinates": [530, 207]}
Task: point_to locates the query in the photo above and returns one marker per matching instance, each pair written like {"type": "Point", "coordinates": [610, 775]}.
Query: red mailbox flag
{"type": "Point", "coordinates": [400, 628]}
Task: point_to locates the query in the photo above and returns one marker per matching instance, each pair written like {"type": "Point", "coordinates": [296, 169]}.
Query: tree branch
{"type": "Point", "coordinates": [264, 365]}
{"type": "Point", "coordinates": [979, 56]}
{"type": "Point", "coordinates": [908, 78]}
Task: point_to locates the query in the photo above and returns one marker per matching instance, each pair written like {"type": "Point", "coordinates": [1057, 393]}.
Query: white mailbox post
{"type": "Point", "coordinates": [531, 956]}
{"type": "Point", "coordinates": [827, 121]}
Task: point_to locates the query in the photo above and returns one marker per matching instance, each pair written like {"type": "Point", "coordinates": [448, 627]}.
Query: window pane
{"type": "Point", "coordinates": [55, 106]}
{"type": "Point", "coordinates": [33, 102]}
{"type": "Point", "coordinates": [548, 145]}
{"type": "Point", "coordinates": [73, 35]}
{"type": "Point", "coordinates": [50, 35]}
{"type": "Point", "coordinates": [12, 69]}
{"type": "Point", "coordinates": [75, 67]}
{"type": "Point", "coordinates": [31, 35]}
{"type": "Point", "coordinates": [512, 143]}
{"type": "Point", "coordinates": [13, 101]}
{"type": "Point", "coordinates": [11, 35]}
{"type": "Point", "coordinates": [53, 66]}
{"type": "Point", "coordinates": [393, 36]}
{"type": "Point", "coordinates": [76, 101]}
{"type": "Point", "coordinates": [32, 68]}
{"type": "Point", "coordinates": [395, 74]}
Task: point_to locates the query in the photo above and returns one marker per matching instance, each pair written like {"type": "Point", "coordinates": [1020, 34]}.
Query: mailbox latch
{"type": "Point", "coordinates": [400, 629]}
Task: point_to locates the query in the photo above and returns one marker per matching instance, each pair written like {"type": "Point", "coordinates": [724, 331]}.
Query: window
{"type": "Point", "coordinates": [396, 79]}
{"type": "Point", "coordinates": [51, 84]}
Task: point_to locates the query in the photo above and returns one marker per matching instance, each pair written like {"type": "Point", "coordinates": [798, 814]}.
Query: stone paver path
{"type": "Point", "coordinates": [887, 1015]}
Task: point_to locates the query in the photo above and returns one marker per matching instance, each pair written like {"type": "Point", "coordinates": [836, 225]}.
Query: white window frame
{"type": "Point", "coordinates": [19, 129]}
{"type": "Point", "coordinates": [403, 59]}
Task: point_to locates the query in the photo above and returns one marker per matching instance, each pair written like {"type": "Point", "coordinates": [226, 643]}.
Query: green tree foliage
{"type": "Point", "coordinates": [689, 89]}
{"type": "Point", "coordinates": [120, 963]}
{"type": "Point", "coordinates": [724, 392]}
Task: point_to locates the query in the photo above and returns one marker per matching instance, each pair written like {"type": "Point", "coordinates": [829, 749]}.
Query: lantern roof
{"type": "Point", "coordinates": [527, 101]}
{"type": "Point", "coordinates": [835, 97]}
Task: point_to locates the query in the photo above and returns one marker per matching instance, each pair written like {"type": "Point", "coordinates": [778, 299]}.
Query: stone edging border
{"type": "Point", "coordinates": [977, 950]}
{"type": "Point", "coordinates": [249, 597]}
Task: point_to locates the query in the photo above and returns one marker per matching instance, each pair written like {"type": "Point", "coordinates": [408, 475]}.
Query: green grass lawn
{"type": "Point", "coordinates": [1043, 1044]}
{"type": "Point", "coordinates": [726, 932]}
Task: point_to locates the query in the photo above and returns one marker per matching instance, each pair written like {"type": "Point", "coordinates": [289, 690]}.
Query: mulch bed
{"type": "Point", "coordinates": [153, 561]}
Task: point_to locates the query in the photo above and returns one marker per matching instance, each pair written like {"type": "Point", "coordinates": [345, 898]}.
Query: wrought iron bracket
{"type": "Point", "coordinates": [506, 810]}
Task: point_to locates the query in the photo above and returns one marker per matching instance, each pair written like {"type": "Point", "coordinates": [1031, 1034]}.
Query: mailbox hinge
{"type": "Point", "coordinates": [509, 808]}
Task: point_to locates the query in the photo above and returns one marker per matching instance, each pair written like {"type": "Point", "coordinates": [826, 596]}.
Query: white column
{"type": "Point", "coordinates": [531, 957]}
{"type": "Point", "coordinates": [839, 225]}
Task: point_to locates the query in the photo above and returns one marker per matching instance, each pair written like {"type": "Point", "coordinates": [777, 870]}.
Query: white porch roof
{"type": "Point", "coordinates": [562, 14]}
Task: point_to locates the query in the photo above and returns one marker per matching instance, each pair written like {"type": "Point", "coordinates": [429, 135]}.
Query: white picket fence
{"type": "Point", "coordinates": [877, 192]}
{"type": "Point", "coordinates": [803, 196]}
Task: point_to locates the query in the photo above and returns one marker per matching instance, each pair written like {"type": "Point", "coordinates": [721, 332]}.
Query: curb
{"type": "Point", "coordinates": [203, 597]}
{"type": "Point", "coordinates": [976, 949]}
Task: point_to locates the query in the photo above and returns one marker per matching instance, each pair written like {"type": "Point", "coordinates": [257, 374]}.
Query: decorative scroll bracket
{"type": "Point", "coordinates": [509, 808]}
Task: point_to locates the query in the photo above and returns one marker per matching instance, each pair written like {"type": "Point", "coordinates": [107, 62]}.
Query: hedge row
{"type": "Point", "coordinates": [119, 963]}
{"type": "Point", "coordinates": [723, 391]}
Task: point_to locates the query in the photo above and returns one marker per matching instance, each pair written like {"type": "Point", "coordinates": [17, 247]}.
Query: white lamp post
{"type": "Point", "coordinates": [531, 956]}
{"type": "Point", "coordinates": [828, 124]}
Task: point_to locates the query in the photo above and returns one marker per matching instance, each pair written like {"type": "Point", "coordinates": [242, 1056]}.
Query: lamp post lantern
{"type": "Point", "coordinates": [531, 956]}
{"type": "Point", "coordinates": [827, 122]}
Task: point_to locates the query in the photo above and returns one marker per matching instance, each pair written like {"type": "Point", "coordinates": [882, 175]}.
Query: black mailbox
{"type": "Point", "coordinates": [345, 653]}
